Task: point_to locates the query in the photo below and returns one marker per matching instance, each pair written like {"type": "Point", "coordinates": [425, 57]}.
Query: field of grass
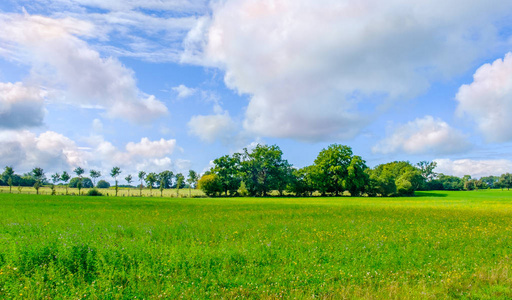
{"type": "Point", "coordinates": [122, 192]}
{"type": "Point", "coordinates": [437, 245]}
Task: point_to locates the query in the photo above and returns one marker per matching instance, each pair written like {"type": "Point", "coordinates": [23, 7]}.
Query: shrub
{"type": "Point", "coordinates": [94, 192]}
{"type": "Point", "coordinates": [210, 184]}
{"type": "Point", "coordinates": [102, 184]}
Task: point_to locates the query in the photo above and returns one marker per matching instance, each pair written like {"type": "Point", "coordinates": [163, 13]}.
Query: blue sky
{"type": "Point", "coordinates": [171, 85]}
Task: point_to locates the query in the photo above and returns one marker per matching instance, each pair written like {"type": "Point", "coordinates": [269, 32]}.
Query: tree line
{"type": "Point", "coordinates": [335, 171]}
{"type": "Point", "coordinates": [37, 178]}
{"type": "Point", "coordinates": [263, 170]}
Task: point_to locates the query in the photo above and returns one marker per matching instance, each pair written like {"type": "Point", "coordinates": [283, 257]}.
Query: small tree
{"type": "Point", "coordinates": [142, 176]}
{"type": "Point", "coordinates": [94, 174]}
{"type": "Point", "coordinates": [8, 173]}
{"type": "Point", "coordinates": [38, 175]}
{"type": "Point", "coordinates": [129, 179]}
{"type": "Point", "coordinates": [65, 178]}
{"type": "Point", "coordinates": [162, 185]}
{"type": "Point", "coordinates": [79, 172]}
{"type": "Point", "coordinates": [114, 173]}
{"type": "Point", "coordinates": [55, 179]}
{"type": "Point", "coordinates": [192, 181]}
{"type": "Point", "coordinates": [180, 179]}
{"type": "Point", "coordinates": [150, 181]}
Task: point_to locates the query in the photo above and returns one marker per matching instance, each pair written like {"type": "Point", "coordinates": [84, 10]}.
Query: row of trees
{"type": "Point", "coordinates": [262, 170]}
{"type": "Point", "coordinates": [36, 178]}
{"type": "Point", "coordinates": [335, 171]}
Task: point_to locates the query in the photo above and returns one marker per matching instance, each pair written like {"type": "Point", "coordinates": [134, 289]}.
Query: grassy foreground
{"type": "Point", "coordinates": [437, 245]}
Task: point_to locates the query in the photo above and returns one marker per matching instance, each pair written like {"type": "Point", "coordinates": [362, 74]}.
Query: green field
{"type": "Point", "coordinates": [436, 245]}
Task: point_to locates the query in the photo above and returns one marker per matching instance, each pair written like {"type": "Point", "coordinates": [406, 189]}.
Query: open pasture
{"type": "Point", "coordinates": [436, 245]}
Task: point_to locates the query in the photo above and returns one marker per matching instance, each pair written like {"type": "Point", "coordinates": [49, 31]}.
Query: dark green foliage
{"type": "Point", "coordinates": [331, 167]}
{"type": "Point", "coordinates": [86, 182]}
{"type": "Point", "coordinates": [102, 184]}
{"type": "Point", "coordinates": [227, 169]}
{"type": "Point", "coordinates": [397, 178]}
{"type": "Point", "coordinates": [165, 178]}
{"type": "Point", "coordinates": [263, 169]}
{"type": "Point", "coordinates": [301, 183]}
{"type": "Point", "coordinates": [451, 183]}
{"type": "Point", "coordinates": [94, 192]}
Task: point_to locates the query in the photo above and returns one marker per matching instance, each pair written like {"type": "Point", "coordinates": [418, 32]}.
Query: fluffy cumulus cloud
{"type": "Point", "coordinates": [475, 168]}
{"type": "Point", "coordinates": [55, 152]}
{"type": "Point", "coordinates": [25, 150]}
{"type": "Point", "coordinates": [212, 127]}
{"type": "Point", "coordinates": [20, 106]}
{"type": "Point", "coordinates": [308, 65]}
{"type": "Point", "coordinates": [425, 135]}
{"type": "Point", "coordinates": [62, 61]}
{"type": "Point", "coordinates": [488, 100]}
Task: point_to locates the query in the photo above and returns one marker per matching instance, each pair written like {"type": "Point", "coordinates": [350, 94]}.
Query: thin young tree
{"type": "Point", "coordinates": [55, 179]}
{"type": "Point", "coordinates": [150, 181]}
{"type": "Point", "coordinates": [8, 173]}
{"type": "Point", "coordinates": [180, 180]}
{"type": "Point", "coordinates": [38, 175]}
{"type": "Point", "coordinates": [65, 178]}
{"type": "Point", "coordinates": [94, 174]}
{"type": "Point", "coordinates": [79, 172]}
{"type": "Point", "coordinates": [162, 186]}
{"type": "Point", "coordinates": [192, 181]}
{"type": "Point", "coordinates": [114, 173]}
{"type": "Point", "coordinates": [129, 179]}
{"type": "Point", "coordinates": [142, 176]}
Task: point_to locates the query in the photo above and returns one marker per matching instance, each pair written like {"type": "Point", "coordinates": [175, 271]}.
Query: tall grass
{"type": "Point", "coordinates": [438, 245]}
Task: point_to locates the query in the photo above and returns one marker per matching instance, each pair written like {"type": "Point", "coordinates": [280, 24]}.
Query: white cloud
{"type": "Point", "coordinates": [488, 99]}
{"type": "Point", "coordinates": [54, 152]}
{"type": "Point", "coordinates": [212, 127]}
{"type": "Point", "coordinates": [49, 150]}
{"type": "Point", "coordinates": [147, 148]}
{"type": "Point", "coordinates": [184, 91]}
{"type": "Point", "coordinates": [20, 106]}
{"type": "Point", "coordinates": [421, 136]}
{"type": "Point", "coordinates": [309, 64]}
{"type": "Point", "coordinates": [62, 61]}
{"type": "Point", "coordinates": [475, 168]}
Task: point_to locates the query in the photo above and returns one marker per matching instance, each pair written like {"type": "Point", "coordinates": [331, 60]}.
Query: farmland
{"type": "Point", "coordinates": [435, 245]}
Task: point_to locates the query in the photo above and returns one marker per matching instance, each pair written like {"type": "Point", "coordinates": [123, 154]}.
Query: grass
{"type": "Point", "coordinates": [436, 245]}
{"type": "Point", "coordinates": [122, 192]}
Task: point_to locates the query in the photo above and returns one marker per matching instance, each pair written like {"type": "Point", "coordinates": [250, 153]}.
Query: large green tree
{"type": "Point", "coordinates": [263, 169]}
{"type": "Point", "coordinates": [398, 178]}
{"type": "Point", "coordinates": [227, 169]}
{"type": "Point", "coordinates": [331, 169]}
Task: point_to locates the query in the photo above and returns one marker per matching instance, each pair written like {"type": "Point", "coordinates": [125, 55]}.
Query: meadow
{"type": "Point", "coordinates": [437, 245]}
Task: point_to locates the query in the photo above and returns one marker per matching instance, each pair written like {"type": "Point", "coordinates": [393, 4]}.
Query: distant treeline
{"type": "Point", "coordinates": [336, 171]}
{"type": "Point", "coordinates": [262, 171]}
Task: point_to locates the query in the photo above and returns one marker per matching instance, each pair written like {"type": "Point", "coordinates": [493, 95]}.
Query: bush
{"type": "Point", "coordinates": [94, 192]}
{"type": "Point", "coordinates": [102, 184]}
{"type": "Point", "coordinates": [210, 185]}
